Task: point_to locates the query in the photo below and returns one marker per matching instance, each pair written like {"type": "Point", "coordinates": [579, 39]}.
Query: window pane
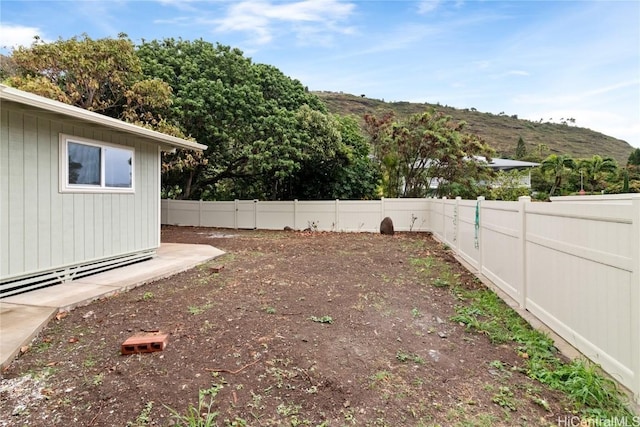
{"type": "Point", "coordinates": [117, 167]}
{"type": "Point", "coordinates": [84, 164]}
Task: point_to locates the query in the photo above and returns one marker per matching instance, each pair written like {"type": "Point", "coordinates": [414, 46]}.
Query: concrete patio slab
{"type": "Point", "coordinates": [22, 316]}
{"type": "Point", "coordinates": [30, 320]}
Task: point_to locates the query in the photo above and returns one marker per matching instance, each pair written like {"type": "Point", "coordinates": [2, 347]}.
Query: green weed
{"type": "Point", "coordinates": [402, 356]}
{"type": "Point", "coordinates": [587, 389]}
{"type": "Point", "coordinates": [195, 309]}
{"type": "Point", "coordinates": [422, 264]}
{"type": "Point", "coordinates": [323, 319]}
{"type": "Point", "coordinates": [440, 282]}
{"type": "Point", "coordinates": [144, 418]}
{"type": "Point", "coordinates": [504, 397]}
{"type": "Point", "coordinates": [202, 415]}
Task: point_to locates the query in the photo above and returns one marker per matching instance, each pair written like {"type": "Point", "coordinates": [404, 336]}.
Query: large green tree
{"type": "Point", "coordinates": [266, 134]}
{"type": "Point", "coordinates": [102, 75]}
{"type": "Point", "coordinates": [427, 151]}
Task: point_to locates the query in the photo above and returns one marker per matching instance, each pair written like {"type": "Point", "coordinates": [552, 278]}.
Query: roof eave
{"type": "Point", "coordinates": [36, 101]}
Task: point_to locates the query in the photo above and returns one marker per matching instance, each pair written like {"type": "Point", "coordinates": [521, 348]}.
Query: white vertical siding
{"type": "Point", "coordinates": [43, 191]}
{"type": "Point", "coordinates": [15, 206]}
{"type": "Point", "coordinates": [43, 229]}
{"type": "Point", "coordinates": [4, 190]}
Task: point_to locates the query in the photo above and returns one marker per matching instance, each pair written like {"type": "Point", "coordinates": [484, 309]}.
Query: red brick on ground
{"type": "Point", "coordinates": [144, 343]}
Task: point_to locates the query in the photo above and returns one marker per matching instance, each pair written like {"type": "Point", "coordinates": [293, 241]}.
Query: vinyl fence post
{"type": "Point", "coordinates": [295, 214]}
{"type": "Point", "coordinates": [255, 214]}
{"type": "Point", "coordinates": [444, 220]}
{"type": "Point", "coordinates": [522, 247]}
{"type": "Point", "coordinates": [635, 297]}
{"type": "Point", "coordinates": [235, 214]}
{"type": "Point", "coordinates": [337, 219]}
{"type": "Point", "coordinates": [478, 233]}
{"type": "Point", "coordinates": [456, 224]}
{"type": "Point", "coordinates": [382, 210]}
{"type": "Point", "coordinates": [200, 213]}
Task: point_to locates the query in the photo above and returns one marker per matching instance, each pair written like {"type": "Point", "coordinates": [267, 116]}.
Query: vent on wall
{"type": "Point", "coordinates": [17, 285]}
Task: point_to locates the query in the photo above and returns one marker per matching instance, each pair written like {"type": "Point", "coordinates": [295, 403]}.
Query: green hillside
{"type": "Point", "coordinates": [500, 131]}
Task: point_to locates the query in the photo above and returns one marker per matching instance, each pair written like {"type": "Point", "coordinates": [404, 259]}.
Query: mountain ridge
{"type": "Point", "coordinates": [500, 131]}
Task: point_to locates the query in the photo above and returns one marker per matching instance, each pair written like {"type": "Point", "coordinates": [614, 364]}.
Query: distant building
{"type": "Point", "coordinates": [506, 165]}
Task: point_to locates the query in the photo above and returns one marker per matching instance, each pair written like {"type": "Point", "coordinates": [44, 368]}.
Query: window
{"type": "Point", "coordinates": [93, 166]}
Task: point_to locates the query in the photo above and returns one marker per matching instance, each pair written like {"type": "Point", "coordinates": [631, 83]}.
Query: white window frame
{"type": "Point", "coordinates": [65, 187]}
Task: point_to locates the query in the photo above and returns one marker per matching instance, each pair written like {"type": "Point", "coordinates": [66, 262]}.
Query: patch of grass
{"type": "Point", "coordinates": [144, 418]}
{"type": "Point", "coordinates": [380, 377]}
{"type": "Point", "coordinates": [98, 379]}
{"type": "Point", "coordinates": [589, 392]}
{"type": "Point", "coordinates": [202, 415]}
{"type": "Point", "coordinates": [270, 310]}
{"type": "Point", "coordinates": [199, 309]}
{"type": "Point", "coordinates": [440, 282]}
{"type": "Point", "coordinates": [43, 346]}
{"type": "Point", "coordinates": [415, 312]}
{"type": "Point", "coordinates": [89, 362]}
{"type": "Point", "coordinates": [505, 398]}
{"type": "Point", "coordinates": [403, 356]}
{"type": "Point", "coordinates": [422, 264]}
{"type": "Point", "coordinates": [323, 319]}
{"type": "Point", "coordinates": [147, 296]}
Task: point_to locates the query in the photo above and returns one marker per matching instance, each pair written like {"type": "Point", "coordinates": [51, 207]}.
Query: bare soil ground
{"type": "Point", "coordinates": [286, 329]}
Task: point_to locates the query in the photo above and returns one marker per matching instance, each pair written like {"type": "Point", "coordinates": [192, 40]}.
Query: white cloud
{"type": "Point", "coordinates": [260, 18]}
{"type": "Point", "coordinates": [12, 36]}
{"type": "Point", "coordinates": [426, 6]}
{"type": "Point", "coordinates": [179, 4]}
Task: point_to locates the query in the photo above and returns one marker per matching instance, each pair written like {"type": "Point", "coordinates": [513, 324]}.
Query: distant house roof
{"type": "Point", "coordinates": [506, 164]}
{"type": "Point", "coordinates": [56, 107]}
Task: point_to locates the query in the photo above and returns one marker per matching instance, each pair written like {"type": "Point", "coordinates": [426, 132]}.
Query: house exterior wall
{"type": "Point", "coordinates": [42, 229]}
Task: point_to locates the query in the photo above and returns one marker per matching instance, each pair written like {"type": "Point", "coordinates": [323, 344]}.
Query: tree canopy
{"type": "Point", "coordinates": [557, 166]}
{"type": "Point", "coordinates": [103, 75]}
{"type": "Point", "coordinates": [267, 135]}
{"type": "Point", "coordinates": [428, 153]}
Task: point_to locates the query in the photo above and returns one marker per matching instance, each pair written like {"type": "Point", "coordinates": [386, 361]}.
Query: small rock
{"type": "Point", "coordinates": [439, 320]}
{"type": "Point", "coordinates": [386, 226]}
{"type": "Point", "coordinates": [442, 334]}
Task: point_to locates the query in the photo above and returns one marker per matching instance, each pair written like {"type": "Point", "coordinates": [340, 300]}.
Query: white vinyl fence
{"type": "Point", "coordinates": [573, 263]}
{"type": "Point", "coordinates": [328, 215]}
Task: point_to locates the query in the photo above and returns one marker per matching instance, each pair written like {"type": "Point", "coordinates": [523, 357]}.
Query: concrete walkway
{"type": "Point", "coordinates": [22, 316]}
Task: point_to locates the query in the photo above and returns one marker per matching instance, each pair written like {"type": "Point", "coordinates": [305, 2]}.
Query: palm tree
{"type": "Point", "coordinates": [558, 165]}
{"type": "Point", "coordinates": [596, 167]}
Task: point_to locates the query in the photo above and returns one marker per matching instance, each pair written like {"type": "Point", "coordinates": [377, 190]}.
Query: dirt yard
{"type": "Point", "coordinates": [286, 329]}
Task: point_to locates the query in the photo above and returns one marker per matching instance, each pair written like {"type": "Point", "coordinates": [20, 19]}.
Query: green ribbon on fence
{"type": "Point", "coordinates": [476, 244]}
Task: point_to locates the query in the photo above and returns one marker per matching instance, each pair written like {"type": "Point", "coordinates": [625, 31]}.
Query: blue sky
{"type": "Point", "coordinates": [537, 59]}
